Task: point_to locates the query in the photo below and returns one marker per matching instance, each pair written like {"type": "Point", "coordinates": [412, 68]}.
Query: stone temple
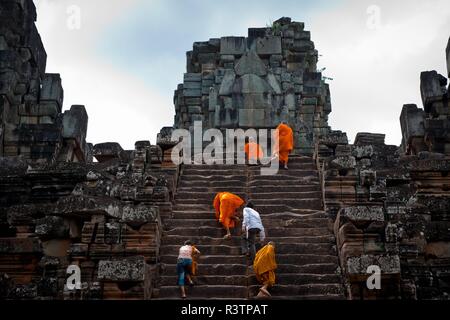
{"type": "Point", "coordinates": [257, 82]}
{"type": "Point", "coordinates": [339, 209]}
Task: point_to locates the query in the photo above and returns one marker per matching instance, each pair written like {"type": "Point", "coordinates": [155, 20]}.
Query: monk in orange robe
{"type": "Point", "coordinates": [226, 204]}
{"type": "Point", "coordinates": [284, 143]}
{"type": "Point", "coordinates": [264, 266]}
{"type": "Point", "coordinates": [253, 151]}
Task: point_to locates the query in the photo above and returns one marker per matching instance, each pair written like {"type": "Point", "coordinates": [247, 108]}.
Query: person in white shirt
{"type": "Point", "coordinates": [184, 265]}
{"type": "Point", "coordinates": [251, 227]}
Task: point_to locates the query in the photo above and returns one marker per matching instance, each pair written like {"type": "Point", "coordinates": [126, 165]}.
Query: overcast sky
{"type": "Point", "coordinates": [123, 59]}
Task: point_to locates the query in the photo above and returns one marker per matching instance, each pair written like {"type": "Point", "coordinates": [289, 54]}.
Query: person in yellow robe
{"type": "Point", "coordinates": [264, 266]}
{"type": "Point", "coordinates": [284, 143]}
{"type": "Point", "coordinates": [253, 151]}
{"type": "Point", "coordinates": [226, 204]}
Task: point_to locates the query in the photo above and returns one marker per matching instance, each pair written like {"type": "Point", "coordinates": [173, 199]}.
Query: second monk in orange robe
{"type": "Point", "coordinates": [253, 151]}
{"type": "Point", "coordinates": [284, 143]}
{"type": "Point", "coordinates": [226, 204]}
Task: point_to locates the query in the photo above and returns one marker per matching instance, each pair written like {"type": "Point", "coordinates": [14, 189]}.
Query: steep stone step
{"type": "Point", "coordinates": [273, 232]}
{"type": "Point", "coordinates": [243, 280]}
{"type": "Point", "coordinates": [227, 280]}
{"type": "Point", "coordinates": [212, 183]}
{"type": "Point", "coordinates": [276, 204]}
{"type": "Point", "coordinates": [236, 241]}
{"type": "Point", "coordinates": [240, 269]}
{"type": "Point", "coordinates": [230, 259]}
{"type": "Point", "coordinates": [267, 221]}
{"type": "Point", "coordinates": [215, 291]}
{"type": "Point", "coordinates": [317, 248]}
{"type": "Point", "coordinates": [257, 188]}
{"type": "Point", "coordinates": [291, 258]}
{"type": "Point", "coordinates": [281, 196]}
{"type": "Point", "coordinates": [209, 213]}
{"type": "Point", "coordinates": [301, 290]}
{"type": "Point", "coordinates": [274, 182]}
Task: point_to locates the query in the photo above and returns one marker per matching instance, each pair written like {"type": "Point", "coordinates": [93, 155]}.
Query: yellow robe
{"type": "Point", "coordinates": [225, 204]}
{"type": "Point", "coordinates": [265, 265]}
{"type": "Point", "coordinates": [284, 142]}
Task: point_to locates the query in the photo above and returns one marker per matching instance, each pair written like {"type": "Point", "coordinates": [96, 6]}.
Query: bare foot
{"type": "Point", "coordinates": [227, 236]}
{"type": "Point", "coordinates": [265, 292]}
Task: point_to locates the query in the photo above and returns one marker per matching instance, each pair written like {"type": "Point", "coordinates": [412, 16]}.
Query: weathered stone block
{"type": "Point", "coordinates": [75, 124]}
{"type": "Point", "coordinates": [107, 151]}
{"type": "Point", "coordinates": [367, 177]}
{"type": "Point", "coordinates": [252, 118]}
{"type": "Point", "coordinates": [387, 264]}
{"type": "Point", "coordinates": [192, 92]}
{"type": "Point", "coordinates": [52, 227]}
{"type": "Point", "coordinates": [233, 45]}
{"type": "Point", "coordinates": [363, 213]}
{"type": "Point", "coordinates": [365, 138]}
{"type": "Point", "coordinates": [136, 216]}
{"type": "Point", "coordinates": [129, 269]}
{"type": "Point", "coordinates": [192, 85]}
{"type": "Point", "coordinates": [192, 77]}
{"type": "Point", "coordinates": [360, 152]}
{"type": "Point", "coordinates": [343, 163]}
{"type": "Point", "coordinates": [412, 122]}
{"type": "Point", "coordinates": [432, 87]}
{"type": "Point", "coordinates": [268, 45]}
{"type": "Point", "coordinates": [52, 89]}
{"type": "Point", "coordinates": [250, 63]}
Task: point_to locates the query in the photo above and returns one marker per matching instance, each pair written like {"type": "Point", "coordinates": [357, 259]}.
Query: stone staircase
{"type": "Point", "coordinates": [292, 212]}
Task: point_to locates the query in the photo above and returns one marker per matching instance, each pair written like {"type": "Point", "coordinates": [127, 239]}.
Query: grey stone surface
{"type": "Point", "coordinates": [75, 124]}
{"type": "Point", "coordinates": [139, 215]}
{"type": "Point", "coordinates": [365, 151]}
{"type": "Point", "coordinates": [106, 151]}
{"type": "Point", "coordinates": [226, 87]}
{"type": "Point", "coordinates": [412, 121]}
{"type": "Point", "coordinates": [127, 269]}
{"type": "Point", "coordinates": [363, 213]}
{"type": "Point", "coordinates": [233, 45]}
{"type": "Point", "coordinates": [273, 82]}
{"type": "Point", "coordinates": [52, 89]}
{"type": "Point", "coordinates": [344, 162]}
{"type": "Point", "coordinates": [432, 87]}
{"type": "Point", "coordinates": [268, 45]}
{"type": "Point", "coordinates": [250, 63]}
{"type": "Point", "coordinates": [52, 227]}
{"type": "Point", "coordinates": [388, 264]}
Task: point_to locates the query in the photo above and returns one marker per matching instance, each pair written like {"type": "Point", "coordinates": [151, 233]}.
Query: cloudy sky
{"type": "Point", "coordinates": [123, 59]}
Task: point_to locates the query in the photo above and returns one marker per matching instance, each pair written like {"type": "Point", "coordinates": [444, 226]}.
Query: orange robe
{"type": "Point", "coordinates": [225, 204]}
{"type": "Point", "coordinates": [265, 265]}
{"type": "Point", "coordinates": [284, 142]}
{"type": "Point", "coordinates": [194, 262]}
{"type": "Point", "coordinates": [253, 151]}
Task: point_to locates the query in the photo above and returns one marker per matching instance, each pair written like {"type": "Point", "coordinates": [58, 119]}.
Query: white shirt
{"type": "Point", "coordinates": [185, 252]}
{"type": "Point", "coordinates": [252, 220]}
